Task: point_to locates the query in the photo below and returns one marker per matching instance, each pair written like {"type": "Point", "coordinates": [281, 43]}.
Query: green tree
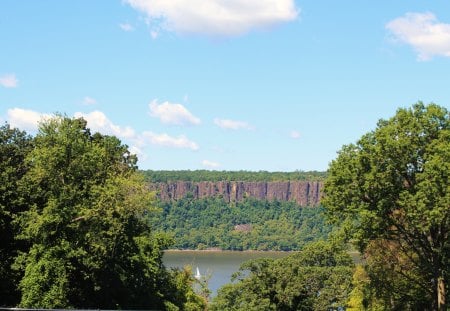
{"type": "Point", "coordinates": [317, 278]}
{"type": "Point", "coordinates": [392, 186]}
{"type": "Point", "coordinates": [91, 243]}
{"type": "Point", "coordinates": [14, 146]}
{"type": "Point", "coordinates": [181, 291]}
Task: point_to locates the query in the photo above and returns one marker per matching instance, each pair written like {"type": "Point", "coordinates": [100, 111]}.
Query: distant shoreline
{"type": "Point", "coordinates": [356, 256]}
{"type": "Point", "coordinates": [219, 250]}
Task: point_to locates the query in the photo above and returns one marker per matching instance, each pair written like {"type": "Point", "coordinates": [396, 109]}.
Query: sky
{"type": "Point", "coordinates": [275, 85]}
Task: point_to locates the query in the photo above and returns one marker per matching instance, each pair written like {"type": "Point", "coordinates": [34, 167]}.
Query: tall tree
{"type": "Point", "coordinates": [393, 187]}
{"type": "Point", "coordinates": [14, 146]}
{"type": "Point", "coordinates": [92, 246]}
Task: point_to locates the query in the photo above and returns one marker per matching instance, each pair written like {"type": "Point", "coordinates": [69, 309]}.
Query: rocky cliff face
{"type": "Point", "coordinates": [305, 193]}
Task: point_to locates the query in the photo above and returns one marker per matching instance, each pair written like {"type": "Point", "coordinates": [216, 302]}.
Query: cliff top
{"type": "Point", "coordinates": [216, 176]}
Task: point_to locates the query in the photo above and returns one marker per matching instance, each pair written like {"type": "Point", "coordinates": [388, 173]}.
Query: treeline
{"type": "Point", "coordinates": [247, 225]}
{"type": "Point", "coordinates": [74, 231]}
{"type": "Point", "coordinates": [216, 176]}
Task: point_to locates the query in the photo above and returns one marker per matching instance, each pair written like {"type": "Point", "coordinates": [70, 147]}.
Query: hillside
{"type": "Point", "coordinates": [239, 210]}
{"type": "Point", "coordinates": [247, 225]}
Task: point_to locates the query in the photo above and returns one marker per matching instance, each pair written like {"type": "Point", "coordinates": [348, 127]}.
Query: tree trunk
{"type": "Point", "coordinates": [441, 294]}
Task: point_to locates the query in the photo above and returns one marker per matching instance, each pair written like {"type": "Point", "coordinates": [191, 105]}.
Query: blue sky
{"type": "Point", "coordinates": [271, 85]}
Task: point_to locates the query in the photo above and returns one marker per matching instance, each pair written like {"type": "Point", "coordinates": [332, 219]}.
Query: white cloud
{"type": "Point", "coordinates": [295, 134]}
{"type": "Point", "coordinates": [98, 122]}
{"type": "Point", "coordinates": [126, 27]}
{"type": "Point", "coordinates": [232, 124]}
{"type": "Point", "coordinates": [142, 156]}
{"type": "Point", "coordinates": [175, 114]}
{"type": "Point", "coordinates": [169, 141]}
{"type": "Point", "coordinates": [423, 32]}
{"type": "Point", "coordinates": [24, 119]}
{"type": "Point", "coordinates": [9, 80]}
{"type": "Point", "coordinates": [215, 17]}
{"type": "Point", "coordinates": [89, 101]}
{"type": "Point", "coordinates": [210, 164]}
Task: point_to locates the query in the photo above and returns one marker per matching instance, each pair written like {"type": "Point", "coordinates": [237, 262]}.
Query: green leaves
{"type": "Point", "coordinates": [46, 282]}
{"type": "Point", "coordinates": [14, 147]}
{"type": "Point", "coordinates": [86, 224]}
{"type": "Point", "coordinates": [393, 185]}
{"type": "Point", "coordinates": [317, 278]}
{"type": "Point", "coordinates": [265, 225]}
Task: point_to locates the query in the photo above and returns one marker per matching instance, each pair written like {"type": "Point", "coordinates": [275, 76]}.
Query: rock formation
{"type": "Point", "coordinates": [304, 193]}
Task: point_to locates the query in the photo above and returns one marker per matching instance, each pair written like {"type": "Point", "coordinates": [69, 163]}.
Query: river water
{"type": "Point", "coordinates": [219, 265]}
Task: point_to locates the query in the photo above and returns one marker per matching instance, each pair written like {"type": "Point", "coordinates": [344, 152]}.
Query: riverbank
{"type": "Point", "coordinates": [356, 256]}
{"type": "Point", "coordinates": [219, 250]}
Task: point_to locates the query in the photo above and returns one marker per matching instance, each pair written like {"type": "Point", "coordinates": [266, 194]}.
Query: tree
{"type": "Point", "coordinates": [317, 278]}
{"type": "Point", "coordinates": [91, 243]}
{"type": "Point", "coordinates": [14, 146]}
{"type": "Point", "coordinates": [392, 187]}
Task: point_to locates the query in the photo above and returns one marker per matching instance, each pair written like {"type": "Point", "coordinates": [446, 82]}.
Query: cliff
{"type": "Point", "coordinates": [304, 193]}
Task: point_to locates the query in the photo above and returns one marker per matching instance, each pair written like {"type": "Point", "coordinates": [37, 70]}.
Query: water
{"type": "Point", "coordinates": [219, 265]}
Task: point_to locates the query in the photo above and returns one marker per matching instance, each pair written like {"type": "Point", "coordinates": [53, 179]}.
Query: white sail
{"type": "Point", "coordinates": [197, 274]}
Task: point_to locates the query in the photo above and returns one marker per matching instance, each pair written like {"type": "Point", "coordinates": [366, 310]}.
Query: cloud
{"type": "Point", "coordinates": [295, 134]}
{"type": "Point", "coordinates": [9, 80]}
{"type": "Point", "coordinates": [142, 156]}
{"type": "Point", "coordinates": [231, 124]}
{"type": "Point", "coordinates": [89, 101]}
{"type": "Point", "coordinates": [215, 17]}
{"type": "Point", "coordinates": [174, 114]}
{"type": "Point", "coordinates": [98, 122]}
{"type": "Point", "coordinates": [423, 32]}
{"type": "Point", "coordinates": [126, 27]}
{"type": "Point", "coordinates": [210, 164]}
{"type": "Point", "coordinates": [24, 119]}
{"type": "Point", "coordinates": [168, 141]}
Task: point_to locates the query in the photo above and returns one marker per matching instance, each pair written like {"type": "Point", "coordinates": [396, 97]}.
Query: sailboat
{"type": "Point", "coordinates": [197, 275]}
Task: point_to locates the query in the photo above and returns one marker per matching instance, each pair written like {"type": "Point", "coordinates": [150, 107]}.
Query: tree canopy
{"type": "Point", "coordinates": [247, 225]}
{"type": "Point", "coordinates": [83, 217]}
{"type": "Point", "coordinates": [215, 176]}
{"type": "Point", "coordinates": [391, 189]}
{"type": "Point", "coordinates": [14, 147]}
{"type": "Point", "coordinates": [317, 278]}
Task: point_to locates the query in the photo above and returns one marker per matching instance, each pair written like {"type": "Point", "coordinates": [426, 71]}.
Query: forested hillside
{"type": "Point", "coordinates": [239, 210]}
{"type": "Point", "coordinates": [247, 225]}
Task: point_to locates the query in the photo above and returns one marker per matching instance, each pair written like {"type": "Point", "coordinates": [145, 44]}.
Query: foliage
{"type": "Point", "coordinates": [317, 278]}
{"type": "Point", "coordinates": [394, 279]}
{"type": "Point", "coordinates": [362, 296]}
{"type": "Point", "coordinates": [215, 176]}
{"type": "Point", "coordinates": [269, 225]}
{"type": "Point", "coordinates": [14, 147]}
{"type": "Point", "coordinates": [182, 285]}
{"type": "Point", "coordinates": [82, 211]}
{"type": "Point", "coordinates": [391, 189]}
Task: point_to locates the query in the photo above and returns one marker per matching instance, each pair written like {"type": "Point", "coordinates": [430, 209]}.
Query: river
{"type": "Point", "coordinates": [220, 265]}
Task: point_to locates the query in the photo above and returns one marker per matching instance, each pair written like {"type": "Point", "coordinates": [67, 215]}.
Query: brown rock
{"type": "Point", "coordinates": [304, 193]}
